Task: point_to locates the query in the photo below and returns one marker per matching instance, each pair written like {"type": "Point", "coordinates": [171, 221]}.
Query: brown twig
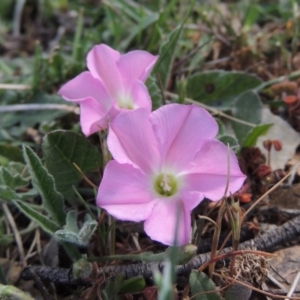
{"type": "Point", "coordinates": [266, 242]}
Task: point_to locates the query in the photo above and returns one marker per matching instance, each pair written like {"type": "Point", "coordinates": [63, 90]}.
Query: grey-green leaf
{"type": "Point", "coordinates": [71, 232]}
{"type": "Point", "coordinates": [166, 56]}
{"type": "Point", "coordinates": [247, 107]}
{"type": "Point", "coordinates": [8, 194]}
{"type": "Point", "coordinates": [45, 185]}
{"type": "Point", "coordinates": [64, 148]}
{"type": "Point", "coordinates": [220, 88]}
{"type": "Point", "coordinates": [201, 283]}
{"type": "Point", "coordinates": [12, 180]}
{"type": "Point", "coordinates": [36, 216]}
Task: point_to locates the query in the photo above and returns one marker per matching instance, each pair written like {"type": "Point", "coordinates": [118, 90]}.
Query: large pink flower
{"type": "Point", "coordinates": [113, 83]}
{"type": "Point", "coordinates": [165, 164]}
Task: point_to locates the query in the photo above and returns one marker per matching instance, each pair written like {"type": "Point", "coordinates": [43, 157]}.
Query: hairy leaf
{"type": "Point", "coordinates": [64, 148]}
{"type": "Point", "coordinates": [45, 185]}
{"type": "Point", "coordinates": [220, 88]}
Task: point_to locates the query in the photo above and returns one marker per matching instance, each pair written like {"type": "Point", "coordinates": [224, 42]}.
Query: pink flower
{"type": "Point", "coordinates": [113, 83]}
{"type": "Point", "coordinates": [165, 164]}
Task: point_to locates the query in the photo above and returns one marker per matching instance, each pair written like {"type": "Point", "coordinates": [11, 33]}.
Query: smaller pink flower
{"type": "Point", "coordinates": [113, 83]}
{"type": "Point", "coordinates": [165, 164]}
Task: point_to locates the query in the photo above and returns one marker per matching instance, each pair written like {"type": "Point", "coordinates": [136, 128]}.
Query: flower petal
{"type": "Point", "coordinates": [208, 172]}
{"type": "Point", "coordinates": [131, 140]}
{"type": "Point", "coordinates": [125, 192]}
{"type": "Point", "coordinates": [182, 130]}
{"type": "Point", "coordinates": [136, 65]}
{"type": "Point", "coordinates": [85, 86]}
{"type": "Point", "coordinates": [93, 117]}
{"type": "Point", "coordinates": [167, 216]}
{"type": "Point", "coordinates": [102, 63]}
{"type": "Point", "coordinates": [140, 95]}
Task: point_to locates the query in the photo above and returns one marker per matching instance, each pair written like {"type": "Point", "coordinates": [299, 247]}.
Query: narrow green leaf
{"type": "Point", "coordinates": [168, 50]}
{"type": "Point", "coordinates": [113, 286]}
{"type": "Point", "coordinates": [64, 148]}
{"type": "Point", "coordinates": [155, 92]}
{"type": "Point", "coordinates": [220, 88]}
{"type": "Point", "coordinates": [144, 24]}
{"type": "Point", "coordinates": [201, 283]}
{"type": "Point", "coordinates": [166, 56]}
{"type": "Point", "coordinates": [255, 133]}
{"type": "Point", "coordinates": [247, 107]}
{"type": "Point", "coordinates": [36, 216]}
{"type": "Point", "coordinates": [44, 183]}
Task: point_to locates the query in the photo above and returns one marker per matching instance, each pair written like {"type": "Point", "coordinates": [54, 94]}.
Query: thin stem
{"type": "Point", "coordinates": [14, 228]}
{"type": "Point", "coordinates": [269, 83]}
{"type": "Point", "coordinates": [26, 107]}
{"type": "Point", "coordinates": [12, 86]}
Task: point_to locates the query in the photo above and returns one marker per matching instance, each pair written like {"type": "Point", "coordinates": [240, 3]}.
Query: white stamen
{"type": "Point", "coordinates": [165, 183]}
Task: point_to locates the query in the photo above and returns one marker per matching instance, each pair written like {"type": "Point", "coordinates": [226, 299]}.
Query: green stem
{"type": "Point", "coordinates": [269, 83]}
{"type": "Point", "coordinates": [78, 33]}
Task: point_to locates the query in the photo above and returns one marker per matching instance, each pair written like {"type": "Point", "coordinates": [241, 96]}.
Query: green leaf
{"type": "Point", "coordinates": [36, 216]}
{"type": "Point", "coordinates": [44, 183]}
{"type": "Point", "coordinates": [132, 285]}
{"type": "Point", "coordinates": [10, 292]}
{"type": "Point", "coordinates": [167, 52]}
{"type": "Point", "coordinates": [247, 107]}
{"type": "Point", "coordinates": [8, 194]}
{"type": "Point", "coordinates": [238, 292]}
{"type": "Point", "coordinates": [201, 283]}
{"type": "Point", "coordinates": [138, 29]}
{"type": "Point", "coordinates": [112, 288]}
{"type": "Point", "coordinates": [228, 139]}
{"type": "Point", "coordinates": [155, 93]}
{"type": "Point", "coordinates": [222, 128]}
{"type": "Point", "coordinates": [64, 148]}
{"type": "Point", "coordinates": [255, 133]}
{"type": "Point", "coordinates": [166, 56]}
{"type": "Point", "coordinates": [71, 221]}
{"type": "Point", "coordinates": [13, 181]}
{"type": "Point", "coordinates": [47, 225]}
{"type": "Point", "coordinates": [220, 88]}
{"type": "Point", "coordinates": [12, 153]}
{"type": "Point", "coordinates": [71, 233]}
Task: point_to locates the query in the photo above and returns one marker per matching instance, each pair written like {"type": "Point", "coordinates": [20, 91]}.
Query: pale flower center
{"type": "Point", "coordinates": [165, 185]}
{"type": "Point", "coordinates": [125, 101]}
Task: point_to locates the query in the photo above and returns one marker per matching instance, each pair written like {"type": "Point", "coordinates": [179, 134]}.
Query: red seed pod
{"type": "Point", "coordinates": [290, 100]}
{"type": "Point", "coordinates": [267, 144]}
{"type": "Point", "coordinates": [244, 198]}
{"type": "Point", "coordinates": [277, 145]}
